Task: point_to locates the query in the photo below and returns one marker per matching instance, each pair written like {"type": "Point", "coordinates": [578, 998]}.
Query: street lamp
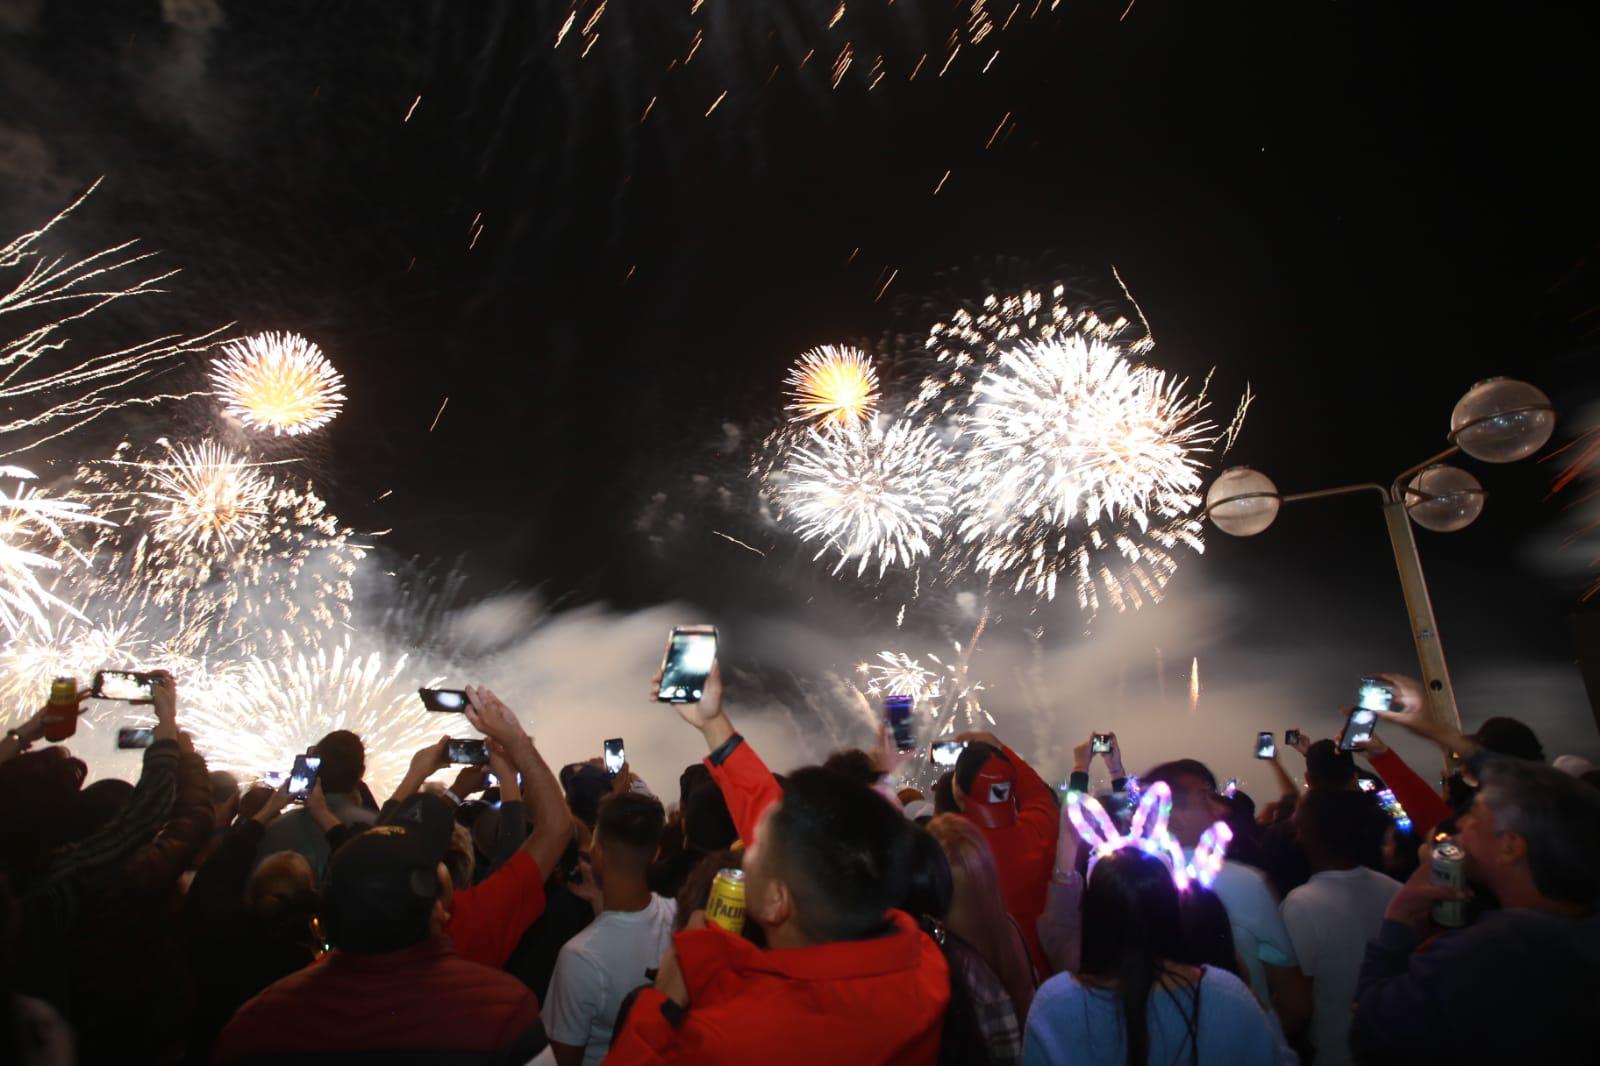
{"type": "Point", "coordinates": [1498, 421]}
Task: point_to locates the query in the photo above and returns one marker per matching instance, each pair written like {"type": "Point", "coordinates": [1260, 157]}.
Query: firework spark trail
{"type": "Point", "coordinates": [211, 556]}
{"type": "Point", "coordinates": [868, 493]}
{"type": "Point", "coordinates": [270, 710]}
{"type": "Point", "coordinates": [898, 674]}
{"type": "Point", "coordinates": [833, 384]}
{"type": "Point", "coordinates": [279, 382]}
{"type": "Point", "coordinates": [32, 524]}
{"type": "Point", "coordinates": [42, 396]}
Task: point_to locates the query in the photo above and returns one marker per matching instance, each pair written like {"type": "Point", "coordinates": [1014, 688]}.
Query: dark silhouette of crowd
{"type": "Point", "coordinates": [531, 914]}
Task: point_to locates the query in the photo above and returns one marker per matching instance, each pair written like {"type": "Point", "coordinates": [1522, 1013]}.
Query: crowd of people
{"type": "Point", "coordinates": [525, 914]}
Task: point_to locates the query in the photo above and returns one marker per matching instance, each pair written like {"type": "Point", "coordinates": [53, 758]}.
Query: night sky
{"type": "Point", "coordinates": [1359, 209]}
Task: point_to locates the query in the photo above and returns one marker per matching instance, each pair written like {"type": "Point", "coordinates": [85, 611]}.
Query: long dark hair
{"type": "Point", "coordinates": [1132, 927]}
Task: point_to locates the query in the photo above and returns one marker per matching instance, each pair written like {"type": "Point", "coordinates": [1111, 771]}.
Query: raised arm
{"type": "Point", "coordinates": [541, 789]}
{"type": "Point", "coordinates": [746, 783]}
{"type": "Point", "coordinates": [161, 862]}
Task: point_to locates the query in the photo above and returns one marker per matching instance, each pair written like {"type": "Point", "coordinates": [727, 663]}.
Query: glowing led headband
{"type": "Point", "coordinates": [1148, 832]}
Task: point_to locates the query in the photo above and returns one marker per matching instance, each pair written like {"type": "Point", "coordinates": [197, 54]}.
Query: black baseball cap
{"type": "Point", "coordinates": [382, 884]}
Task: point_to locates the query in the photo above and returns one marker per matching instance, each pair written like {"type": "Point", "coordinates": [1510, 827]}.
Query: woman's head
{"type": "Point", "coordinates": [1130, 907]}
{"type": "Point", "coordinates": [977, 910]}
{"type": "Point", "coordinates": [930, 885]}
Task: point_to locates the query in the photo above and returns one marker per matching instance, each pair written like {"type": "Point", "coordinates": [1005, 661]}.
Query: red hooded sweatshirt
{"type": "Point", "coordinates": [1025, 853]}
{"type": "Point", "coordinates": [860, 1002]}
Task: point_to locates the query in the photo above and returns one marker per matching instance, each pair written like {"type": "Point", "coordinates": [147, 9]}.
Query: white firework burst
{"type": "Point", "coordinates": [207, 498]}
{"type": "Point", "coordinates": [898, 674]}
{"type": "Point", "coordinates": [279, 382]}
{"type": "Point", "coordinates": [33, 526]}
{"type": "Point", "coordinates": [868, 493]}
{"type": "Point", "coordinates": [833, 384]}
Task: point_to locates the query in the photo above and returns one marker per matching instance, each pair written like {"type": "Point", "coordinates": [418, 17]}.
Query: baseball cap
{"type": "Point", "coordinates": [1507, 736]}
{"type": "Point", "coordinates": [585, 785]}
{"type": "Point", "coordinates": [382, 884]}
{"type": "Point", "coordinates": [990, 782]}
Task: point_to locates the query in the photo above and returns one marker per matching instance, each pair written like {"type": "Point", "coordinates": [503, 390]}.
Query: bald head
{"type": "Point", "coordinates": [282, 882]}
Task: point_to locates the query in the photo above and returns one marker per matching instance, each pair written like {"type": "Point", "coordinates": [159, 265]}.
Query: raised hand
{"type": "Point", "coordinates": [1302, 743]}
{"type": "Point", "coordinates": [279, 799]}
{"type": "Point", "coordinates": [435, 756]}
{"type": "Point", "coordinates": [164, 702]}
{"type": "Point", "coordinates": [1114, 757]}
{"type": "Point", "coordinates": [706, 715]}
{"type": "Point", "coordinates": [493, 718]}
{"type": "Point", "coordinates": [470, 780]}
{"type": "Point", "coordinates": [1411, 711]}
{"type": "Point", "coordinates": [1082, 756]}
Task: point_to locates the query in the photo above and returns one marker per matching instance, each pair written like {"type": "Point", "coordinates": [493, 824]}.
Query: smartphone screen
{"type": "Point", "coordinates": [135, 736]}
{"type": "Point", "coordinates": [946, 752]}
{"type": "Point", "coordinates": [690, 652]}
{"type": "Point", "coordinates": [1374, 695]}
{"type": "Point", "coordinates": [1358, 730]}
{"type": "Point", "coordinates": [1101, 744]}
{"type": "Point", "coordinates": [1231, 788]}
{"type": "Point", "coordinates": [273, 778]}
{"type": "Point", "coordinates": [449, 700]}
{"type": "Point", "coordinates": [615, 756]}
{"type": "Point", "coordinates": [125, 685]}
{"type": "Point", "coordinates": [1291, 737]}
{"type": "Point", "coordinates": [1366, 784]}
{"type": "Point", "coordinates": [897, 710]}
{"type": "Point", "coordinates": [1265, 748]}
{"type": "Point", "coordinates": [469, 753]}
{"type": "Point", "coordinates": [304, 775]}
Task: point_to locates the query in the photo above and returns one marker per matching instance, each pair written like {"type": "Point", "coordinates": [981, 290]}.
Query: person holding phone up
{"type": "Point", "coordinates": [845, 979]}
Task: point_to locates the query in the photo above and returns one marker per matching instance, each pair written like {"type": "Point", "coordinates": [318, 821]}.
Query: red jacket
{"type": "Point", "coordinates": [1025, 853]}
{"type": "Point", "coordinates": [353, 1007]}
{"type": "Point", "coordinates": [850, 1002]}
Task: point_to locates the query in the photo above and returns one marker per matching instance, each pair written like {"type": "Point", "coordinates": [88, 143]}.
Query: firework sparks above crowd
{"type": "Point", "coordinates": [28, 519]}
{"type": "Point", "coordinates": [868, 493]}
{"type": "Point", "coordinates": [833, 385]}
{"type": "Point", "coordinates": [279, 382]}
{"type": "Point", "coordinates": [45, 395]}
{"type": "Point", "coordinates": [206, 498]}
{"type": "Point", "coordinates": [898, 674]}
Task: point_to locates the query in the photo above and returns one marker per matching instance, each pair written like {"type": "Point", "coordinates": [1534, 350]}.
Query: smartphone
{"type": "Point", "coordinates": [1291, 737]}
{"type": "Point", "coordinates": [273, 778]}
{"type": "Point", "coordinates": [126, 685]}
{"type": "Point", "coordinates": [1231, 787]}
{"type": "Point", "coordinates": [304, 775]}
{"type": "Point", "coordinates": [1101, 744]}
{"type": "Point", "coordinates": [691, 650]}
{"type": "Point", "coordinates": [897, 709]}
{"type": "Point", "coordinates": [1265, 748]}
{"type": "Point", "coordinates": [1366, 784]}
{"type": "Point", "coordinates": [1375, 695]}
{"type": "Point", "coordinates": [469, 753]}
{"type": "Point", "coordinates": [135, 736]}
{"type": "Point", "coordinates": [448, 700]}
{"type": "Point", "coordinates": [946, 752]}
{"type": "Point", "coordinates": [1358, 729]}
{"type": "Point", "coordinates": [615, 756]}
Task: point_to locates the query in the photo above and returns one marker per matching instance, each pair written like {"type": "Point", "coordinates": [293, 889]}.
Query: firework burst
{"type": "Point", "coordinates": [833, 385]}
{"type": "Point", "coordinates": [898, 674]}
{"type": "Point", "coordinates": [279, 382]}
{"type": "Point", "coordinates": [32, 527]}
{"type": "Point", "coordinates": [44, 396]}
{"type": "Point", "coordinates": [268, 567]}
{"type": "Point", "coordinates": [867, 493]}
{"type": "Point", "coordinates": [205, 498]}
{"type": "Point", "coordinates": [267, 711]}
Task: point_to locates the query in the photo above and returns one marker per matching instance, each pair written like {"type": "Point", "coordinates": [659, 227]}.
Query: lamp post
{"type": "Point", "coordinates": [1498, 421]}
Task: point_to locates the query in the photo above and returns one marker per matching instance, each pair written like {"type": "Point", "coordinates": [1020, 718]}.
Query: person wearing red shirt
{"type": "Point", "coordinates": [392, 988]}
{"type": "Point", "coordinates": [844, 978]}
{"type": "Point", "coordinates": [1018, 815]}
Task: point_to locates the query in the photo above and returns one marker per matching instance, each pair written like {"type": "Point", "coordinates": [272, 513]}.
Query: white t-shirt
{"type": "Point", "coordinates": [1330, 919]}
{"type": "Point", "coordinates": [1258, 933]}
{"type": "Point", "coordinates": [598, 968]}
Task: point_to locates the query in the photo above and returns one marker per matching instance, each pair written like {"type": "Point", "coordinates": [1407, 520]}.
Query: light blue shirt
{"type": "Point", "coordinates": [1069, 1023]}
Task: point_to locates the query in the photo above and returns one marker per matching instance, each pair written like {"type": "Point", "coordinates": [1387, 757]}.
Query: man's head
{"type": "Point", "coordinates": [1533, 832]}
{"type": "Point", "coordinates": [585, 786]}
{"type": "Point", "coordinates": [853, 762]}
{"type": "Point", "coordinates": [1507, 736]}
{"type": "Point", "coordinates": [707, 825]}
{"type": "Point", "coordinates": [281, 889]}
{"type": "Point", "coordinates": [829, 860]}
{"type": "Point", "coordinates": [388, 888]}
{"type": "Point", "coordinates": [344, 761]}
{"type": "Point", "coordinates": [1328, 767]}
{"type": "Point", "coordinates": [1340, 829]}
{"type": "Point", "coordinates": [627, 833]}
{"type": "Point", "coordinates": [224, 797]}
{"type": "Point", "coordinates": [985, 786]}
{"type": "Point", "coordinates": [1195, 801]}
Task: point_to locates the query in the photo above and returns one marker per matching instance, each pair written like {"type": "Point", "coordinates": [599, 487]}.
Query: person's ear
{"type": "Point", "coordinates": [1511, 849]}
{"type": "Point", "coordinates": [776, 905]}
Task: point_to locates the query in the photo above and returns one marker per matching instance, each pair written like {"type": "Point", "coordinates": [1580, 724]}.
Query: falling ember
{"type": "Point", "coordinates": [1194, 684]}
{"type": "Point", "coordinates": [832, 384]}
{"type": "Point", "coordinates": [279, 382]}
